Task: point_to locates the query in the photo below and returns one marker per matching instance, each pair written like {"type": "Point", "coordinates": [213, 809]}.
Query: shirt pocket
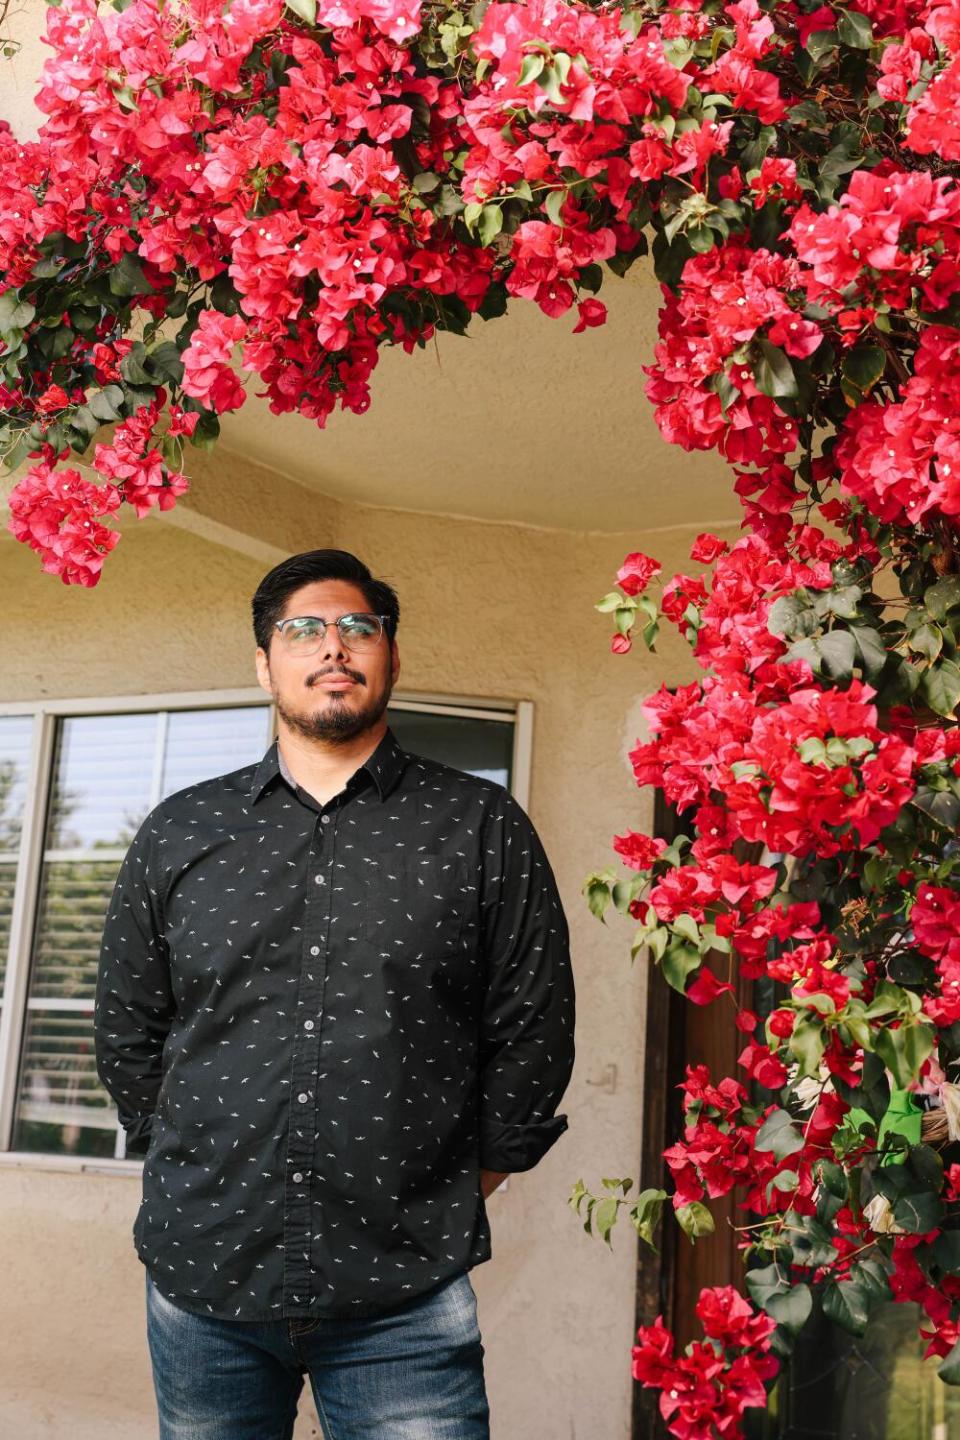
{"type": "Point", "coordinates": [414, 903]}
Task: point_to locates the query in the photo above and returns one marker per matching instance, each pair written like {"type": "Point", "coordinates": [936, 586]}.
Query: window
{"type": "Point", "coordinates": [74, 788]}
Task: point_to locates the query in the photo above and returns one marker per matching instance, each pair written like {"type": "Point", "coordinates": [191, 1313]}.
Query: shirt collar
{"type": "Point", "coordinates": [384, 767]}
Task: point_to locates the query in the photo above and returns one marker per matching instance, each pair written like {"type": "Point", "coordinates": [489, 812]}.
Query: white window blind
{"type": "Point", "coordinates": [108, 773]}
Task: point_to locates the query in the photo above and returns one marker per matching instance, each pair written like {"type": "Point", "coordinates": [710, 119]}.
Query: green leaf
{"type": "Point", "coordinates": [14, 314]}
{"type": "Point", "coordinates": [945, 1251]}
{"type": "Point", "coordinates": [873, 1277]}
{"type": "Point", "coordinates": [807, 1044]}
{"type": "Point", "coordinates": [871, 651]}
{"type": "Point", "coordinates": [687, 928]}
{"type": "Point", "coordinates": [127, 279]}
{"type": "Point", "coordinates": [604, 1217]}
{"type": "Point", "coordinates": [916, 1207]}
{"type": "Point", "coordinates": [949, 1369]}
{"type": "Point", "coordinates": [645, 1214]}
{"type": "Point", "coordinates": [855, 29]}
{"type": "Point", "coordinates": [125, 98]}
{"type": "Point", "coordinates": [792, 615]}
{"type": "Point", "coordinates": [224, 297]}
{"type": "Point", "coordinates": [304, 9]}
{"type": "Point", "coordinates": [820, 43]}
{"type": "Point", "coordinates": [490, 224]}
{"type": "Point", "coordinates": [833, 654]}
{"type": "Point", "coordinates": [926, 640]}
{"type": "Point", "coordinates": [864, 364]}
{"type": "Point", "coordinates": [106, 403]}
{"type": "Point", "coordinates": [597, 891]}
{"type": "Point", "coordinates": [701, 239]}
{"type": "Point", "coordinates": [790, 1305]}
{"type": "Point", "coordinates": [848, 1305]}
{"type": "Point", "coordinates": [132, 367]}
{"type": "Point", "coordinates": [779, 1135]}
{"type": "Point", "coordinates": [532, 66]}
{"type": "Point", "coordinates": [164, 362]}
{"type": "Point", "coordinates": [838, 654]}
{"type": "Point", "coordinates": [678, 963]}
{"type": "Point", "coordinates": [814, 1246]}
{"type": "Point", "coordinates": [940, 686]}
{"type": "Point", "coordinates": [837, 162]}
{"type": "Point", "coordinates": [553, 205]}
{"type": "Point", "coordinates": [904, 1050]}
{"type": "Point", "coordinates": [942, 806]}
{"type": "Point", "coordinates": [774, 374]}
{"type": "Point", "coordinates": [610, 602]}
{"type": "Point", "coordinates": [83, 421]}
{"type": "Point", "coordinates": [873, 1092]}
{"type": "Point", "coordinates": [844, 601]}
{"type": "Point", "coordinates": [695, 1220]}
{"type": "Point", "coordinates": [943, 597]}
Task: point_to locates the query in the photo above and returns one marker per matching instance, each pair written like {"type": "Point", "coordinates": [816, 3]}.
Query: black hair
{"type": "Point", "coordinates": [297, 570]}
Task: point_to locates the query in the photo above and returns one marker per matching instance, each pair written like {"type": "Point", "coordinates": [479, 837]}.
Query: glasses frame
{"type": "Point", "coordinates": [350, 615]}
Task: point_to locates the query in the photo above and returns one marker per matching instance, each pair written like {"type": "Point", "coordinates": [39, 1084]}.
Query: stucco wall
{"type": "Point", "coordinates": [487, 610]}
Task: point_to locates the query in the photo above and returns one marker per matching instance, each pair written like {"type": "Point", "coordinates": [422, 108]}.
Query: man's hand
{"type": "Point", "coordinates": [490, 1179]}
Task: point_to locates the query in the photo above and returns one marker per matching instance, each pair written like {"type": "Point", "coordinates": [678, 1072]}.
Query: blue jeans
{"type": "Point", "coordinates": [413, 1373]}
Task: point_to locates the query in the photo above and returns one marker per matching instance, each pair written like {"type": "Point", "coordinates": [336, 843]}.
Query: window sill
{"type": "Point", "coordinates": [76, 1164]}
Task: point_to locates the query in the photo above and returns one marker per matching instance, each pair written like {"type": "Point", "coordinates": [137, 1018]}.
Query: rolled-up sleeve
{"type": "Point", "coordinates": [134, 1005]}
{"type": "Point", "coordinates": [528, 1011]}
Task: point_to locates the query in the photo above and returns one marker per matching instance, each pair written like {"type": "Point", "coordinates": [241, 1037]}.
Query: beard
{"type": "Point", "coordinates": [337, 722]}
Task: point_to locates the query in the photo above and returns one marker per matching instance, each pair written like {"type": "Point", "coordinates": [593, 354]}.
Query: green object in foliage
{"type": "Point", "coordinates": [903, 1116]}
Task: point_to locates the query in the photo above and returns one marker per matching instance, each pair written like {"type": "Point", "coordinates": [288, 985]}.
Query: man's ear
{"type": "Point", "coordinates": [262, 665]}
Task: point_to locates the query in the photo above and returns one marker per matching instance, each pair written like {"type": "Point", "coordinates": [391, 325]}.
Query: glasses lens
{"type": "Point", "coordinates": [360, 632]}
{"type": "Point", "coordinates": [303, 634]}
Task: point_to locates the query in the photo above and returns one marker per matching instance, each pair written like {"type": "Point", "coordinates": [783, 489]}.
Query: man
{"type": "Point", "coordinates": [335, 1007]}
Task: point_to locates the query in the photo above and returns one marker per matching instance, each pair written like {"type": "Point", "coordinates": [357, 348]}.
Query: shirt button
{"type": "Point", "coordinates": [325, 819]}
{"type": "Point", "coordinates": [303, 1097]}
{"type": "Point", "coordinates": [298, 1177]}
{"type": "Point", "coordinates": [319, 879]}
{"type": "Point", "coordinates": [314, 949]}
{"type": "Point", "coordinates": [308, 1024]}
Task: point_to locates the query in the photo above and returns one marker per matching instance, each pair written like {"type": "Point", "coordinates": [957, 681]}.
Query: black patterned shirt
{"type": "Point", "coordinates": [320, 1021]}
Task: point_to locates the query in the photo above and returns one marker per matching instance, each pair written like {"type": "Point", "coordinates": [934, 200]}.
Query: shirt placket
{"type": "Point", "coordinates": [300, 1178]}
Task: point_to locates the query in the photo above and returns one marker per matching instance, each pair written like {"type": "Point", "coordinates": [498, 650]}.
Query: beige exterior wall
{"type": "Point", "coordinates": [488, 610]}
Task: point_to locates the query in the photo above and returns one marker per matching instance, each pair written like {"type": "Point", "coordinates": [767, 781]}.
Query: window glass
{"type": "Point", "coordinates": [108, 773]}
{"type": "Point", "coordinates": [481, 747]}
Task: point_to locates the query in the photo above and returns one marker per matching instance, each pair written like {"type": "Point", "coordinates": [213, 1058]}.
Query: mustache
{"type": "Point", "coordinates": [348, 674]}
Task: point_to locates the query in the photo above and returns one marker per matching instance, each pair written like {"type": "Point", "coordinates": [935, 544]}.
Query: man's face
{"type": "Point", "coordinates": [308, 690]}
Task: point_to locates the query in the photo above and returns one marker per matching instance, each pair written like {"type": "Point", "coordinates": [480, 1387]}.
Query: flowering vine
{"type": "Point", "coordinates": [227, 192]}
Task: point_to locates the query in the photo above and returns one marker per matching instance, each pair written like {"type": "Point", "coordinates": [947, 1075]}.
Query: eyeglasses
{"type": "Point", "coordinates": [304, 634]}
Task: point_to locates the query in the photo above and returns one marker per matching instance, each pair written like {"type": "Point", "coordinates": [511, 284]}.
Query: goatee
{"type": "Point", "coordinates": [336, 722]}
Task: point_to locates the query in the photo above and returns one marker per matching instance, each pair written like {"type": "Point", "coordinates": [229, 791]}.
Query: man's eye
{"type": "Point", "coordinates": [359, 624]}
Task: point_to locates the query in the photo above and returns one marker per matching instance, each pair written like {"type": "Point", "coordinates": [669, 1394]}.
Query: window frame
{"type": "Point", "coordinates": [46, 715]}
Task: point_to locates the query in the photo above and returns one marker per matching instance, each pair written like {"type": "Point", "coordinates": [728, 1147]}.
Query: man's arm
{"type": "Point", "coordinates": [134, 1005]}
{"type": "Point", "coordinates": [528, 1013]}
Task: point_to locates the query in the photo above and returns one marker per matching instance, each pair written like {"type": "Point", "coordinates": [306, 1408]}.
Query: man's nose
{"type": "Point", "coordinates": [333, 648]}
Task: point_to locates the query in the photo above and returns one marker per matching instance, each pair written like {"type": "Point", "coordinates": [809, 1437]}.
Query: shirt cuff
{"type": "Point", "coordinates": [505, 1148]}
{"type": "Point", "coordinates": [138, 1134]}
